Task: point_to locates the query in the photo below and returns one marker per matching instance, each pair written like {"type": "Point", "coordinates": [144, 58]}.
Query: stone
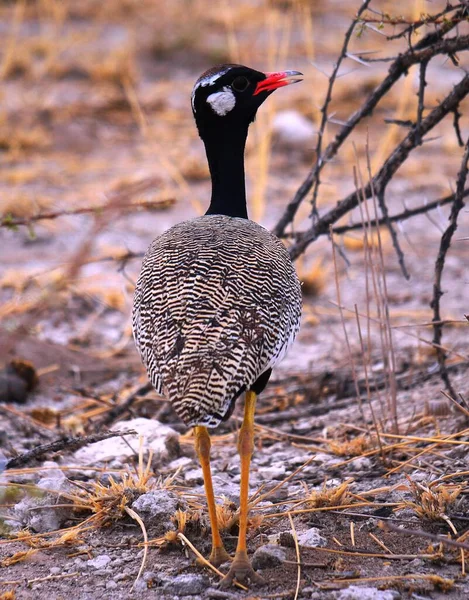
{"type": "Point", "coordinates": [55, 570]}
{"type": "Point", "coordinates": [292, 129]}
{"type": "Point", "coordinates": [268, 556]}
{"type": "Point", "coordinates": [311, 537]}
{"type": "Point", "coordinates": [182, 461]}
{"type": "Point", "coordinates": [140, 586]}
{"type": "Point", "coordinates": [162, 440]}
{"type": "Point", "coordinates": [156, 508]}
{"type": "Point", "coordinates": [186, 585]}
{"type": "Point", "coordinates": [270, 473]}
{"type": "Point", "coordinates": [362, 463]}
{"type": "Point", "coordinates": [99, 562]}
{"type": "Point", "coordinates": [357, 592]}
{"type": "Point", "coordinates": [29, 512]}
{"type": "Point", "coordinates": [193, 477]}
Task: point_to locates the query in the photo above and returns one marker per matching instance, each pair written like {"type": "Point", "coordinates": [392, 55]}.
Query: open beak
{"type": "Point", "coordinates": [273, 81]}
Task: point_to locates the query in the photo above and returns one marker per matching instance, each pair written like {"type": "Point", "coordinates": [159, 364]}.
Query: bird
{"type": "Point", "coordinates": [218, 301]}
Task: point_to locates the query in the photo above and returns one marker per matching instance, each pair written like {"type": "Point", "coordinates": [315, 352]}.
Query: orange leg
{"type": "Point", "coordinates": [241, 568]}
{"type": "Point", "coordinates": [202, 446]}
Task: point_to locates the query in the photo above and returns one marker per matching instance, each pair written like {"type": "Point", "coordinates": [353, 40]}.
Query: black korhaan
{"type": "Point", "coordinates": [218, 301]}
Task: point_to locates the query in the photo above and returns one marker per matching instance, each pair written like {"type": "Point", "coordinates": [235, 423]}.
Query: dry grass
{"type": "Point", "coordinates": [432, 501]}
{"type": "Point", "coordinates": [91, 113]}
{"type": "Point", "coordinates": [330, 495]}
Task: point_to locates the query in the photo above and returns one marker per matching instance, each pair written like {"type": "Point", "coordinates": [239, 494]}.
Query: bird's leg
{"type": "Point", "coordinates": [218, 554]}
{"type": "Point", "coordinates": [241, 568]}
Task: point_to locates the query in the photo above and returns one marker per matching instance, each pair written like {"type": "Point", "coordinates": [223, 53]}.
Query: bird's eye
{"type": "Point", "coordinates": [240, 84]}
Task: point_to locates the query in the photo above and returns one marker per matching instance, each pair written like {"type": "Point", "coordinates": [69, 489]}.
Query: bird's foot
{"type": "Point", "coordinates": [241, 570]}
{"type": "Point", "coordinates": [217, 557]}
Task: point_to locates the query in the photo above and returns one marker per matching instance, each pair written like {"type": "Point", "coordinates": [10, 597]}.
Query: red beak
{"type": "Point", "coordinates": [273, 81]}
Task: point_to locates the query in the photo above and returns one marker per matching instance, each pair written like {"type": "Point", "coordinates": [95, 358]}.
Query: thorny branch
{"type": "Point", "coordinates": [445, 243]}
{"type": "Point", "coordinates": [433, 44]}
{"type": "Point", "coordinates": [341, 229]}
{"type": "Point", "coordinates": [384, 175]}
{"type": "Point", "coordinates": [412, 26]}
{"type": "Point", "coordinates": [118, 200]}
{"type": "Point", "coordinates": [14, 222]}
{"type": "Point", "coordinates": [325, 106]}
{"type": "Point", "coordinates": [66, 443]}
{"type": "Point", "coordinates": [399, 67]}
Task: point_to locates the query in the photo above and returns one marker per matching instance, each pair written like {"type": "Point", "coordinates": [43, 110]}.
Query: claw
{"type": "Point", "coordinates": [241, 570]}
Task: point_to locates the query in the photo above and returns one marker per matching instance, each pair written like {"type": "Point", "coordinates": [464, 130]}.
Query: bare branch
{"type": "Point", "coordinates": [325, 106]}
{"type": "Point", "coordinates": [118, 200]}
{"type": "Point", "coordinates": [389, 167]}
{"type": "Point", "coordinates": [457, 129]}
{"type": "Point", "coordinates": [445, 243]}
{"type": "Point", "coordinates": [66, 443]}
{"type": "Point", "coordinates": [398, 68]}
{"type": "Point", "coordinates": [13, 222]}
{"type": "Point", "coordinates": [421, 97]}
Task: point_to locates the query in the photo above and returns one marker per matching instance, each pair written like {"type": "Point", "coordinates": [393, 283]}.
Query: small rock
{"type": "Point", "coordinates": [55, 570]}
{"type": "Point", "coordinates": [140, 586]}
{"type": "Point", "coordinates": [156, 508]}
{"type": "Point", "coordinates": [356, 592]}
{"type": "Point", "coordinates": [311, 537]}
{"type": "Point", "coordinates": [298, 460]}
{"type": "Point", "coordinates": [293, 129]}
{"type": "Point", "coordinates": [99, 562]}
{"type": "Point", "coordinates": [282, 493]}
{"type": "Point", "coordinates": [111, 585]}
{"type": "Point", "coordinates": [269, 473]}
{"type": "Point", "coordinates": [268, 556]}
{"type": "Point", "coordinates": [194, 477]}
{"type": "Point", "coordinates": [361, 463]}
{"type": "Point", "coordinates": [186, 585]}
{"type": "Point", "coordinates": [325, 459]}
{"type": "Point", "coordinates": [161, 439]}
{"type": "Point", "coordinates": [29, 512]}
{"type": "Point", "coordinates": [182, 461]}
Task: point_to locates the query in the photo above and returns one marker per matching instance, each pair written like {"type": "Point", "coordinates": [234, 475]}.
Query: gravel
{"type": "Point", "coordinates": [156, 508]}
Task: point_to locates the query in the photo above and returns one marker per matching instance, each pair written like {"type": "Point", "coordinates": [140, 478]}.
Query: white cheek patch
{"type": "Point", "coordinates": [222, 102]}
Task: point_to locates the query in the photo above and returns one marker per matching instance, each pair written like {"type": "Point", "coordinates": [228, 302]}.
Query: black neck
{"type": "Point", "coordinates": [225, 154]}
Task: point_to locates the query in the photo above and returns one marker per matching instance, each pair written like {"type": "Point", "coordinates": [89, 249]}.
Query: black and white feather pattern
{"type": "Point", "coordinates": [217, 303]}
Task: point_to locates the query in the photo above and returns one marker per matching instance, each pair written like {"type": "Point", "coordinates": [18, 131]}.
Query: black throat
{"type": "Point", "coordinates": [225, 154]}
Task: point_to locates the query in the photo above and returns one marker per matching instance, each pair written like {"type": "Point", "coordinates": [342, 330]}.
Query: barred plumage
{"type": "Point", "coordinates": [217, 304]}
{"type": "Point", "coordinates": [218, 301]}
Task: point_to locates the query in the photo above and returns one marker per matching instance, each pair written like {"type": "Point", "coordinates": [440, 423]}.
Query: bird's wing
{"type": "Point", "coordinates": [209, 321]}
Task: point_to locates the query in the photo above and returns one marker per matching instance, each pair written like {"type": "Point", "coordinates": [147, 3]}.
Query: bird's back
{"type": "Point", "coordinates": [217, 303]}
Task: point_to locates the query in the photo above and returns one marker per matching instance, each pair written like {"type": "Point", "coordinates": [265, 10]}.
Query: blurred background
{"type": "Point", "coordinates": [96, 133]}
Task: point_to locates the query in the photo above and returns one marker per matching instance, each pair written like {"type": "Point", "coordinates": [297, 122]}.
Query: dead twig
{"type": "Point", "coordinates": [399, 67]}
{"type": "Point", "coordinates": [66, 443]}
{"type": "Point", "coordinates": [13, 222]}
{"type": "Point", "coordinates": [325, 106]}
{"type": "Point", "coordinates": [445, 243]}
{"type": "Point", "coordinates": [387, 170]}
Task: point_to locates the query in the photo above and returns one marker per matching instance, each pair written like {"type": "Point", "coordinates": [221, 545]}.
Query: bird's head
{"type": "Point", "coordinates": [229, 95]}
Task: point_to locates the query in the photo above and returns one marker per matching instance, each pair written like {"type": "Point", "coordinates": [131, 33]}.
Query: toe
{"type": "Point", "coordinates": [242, 571]}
